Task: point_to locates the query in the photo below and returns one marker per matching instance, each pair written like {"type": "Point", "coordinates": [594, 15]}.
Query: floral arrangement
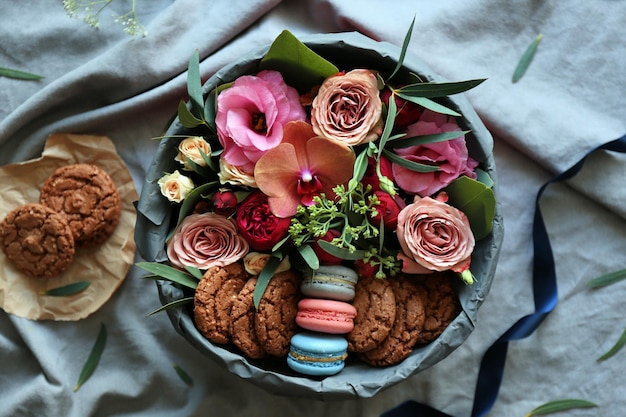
{"type": "Point", "coordinates": [301, 164]}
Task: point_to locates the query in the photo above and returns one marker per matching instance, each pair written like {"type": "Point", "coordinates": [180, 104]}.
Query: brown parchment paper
{"type": "Point", "coordinates": [104, 266]}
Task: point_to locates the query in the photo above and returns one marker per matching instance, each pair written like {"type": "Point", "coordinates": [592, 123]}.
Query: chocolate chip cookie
{"type": "Point", "coordinates": [375, 303]}
{"type": "Point", "coordinates": [86, 194]}
{"type": "Point", "coordinates": [214, 298]}
{"type": "Point", "coordinates": [407, 325]}
{"type": "Point", "coordinates": [37, 240]}
{"type": "Point", "coordinates": [275, 320]}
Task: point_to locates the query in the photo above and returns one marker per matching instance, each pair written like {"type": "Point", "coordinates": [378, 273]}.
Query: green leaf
{"type": "Point", "coordinates": [429, 104]}
{"type": "Point", "coordinates": [69, 289]}
{"type": "Point", "coordinates": [183, 375]}
{"type": "Point", "coordinates": [476, 200]}
{"type": "Point", "coordinates": [526, 59]}
{"type": "Point", "coordinates": [616, 348]}
{"type": "Point", "coordinates": [93, 359]}
{"type": "Point", "coordinates": [210, 108]}
{"type": "Point", "coordinates": [341, 253]}
{"type": "Point", "coordinates": [169, 273]}
{"type": "Point", "coordinates": [560, 405]}
{"type": "Point", "coordinates": [424, 139]}
{"type": "Point", "coordinates": [432, 90]}
{"type": "Point", "coordinates": [186, 118]}
{"type": "Point", "coordinates": [413, 166]}
{"type": "Point", "coordinates": [300, 66]}
{"type": "Point", "coordinates": [172, 304]}
{"type": "Point", "coordinates": [194, 85]}
{"type": "Point", "coordinates": [360, 166]}
{"type": "Point", "coordinates": [264, 279]}
{"type": "Point", "coordinates": [607, 279]}
{"type": "Point", "coordinates": [309, 256]}
{"type": "Point", "coordinates": [405, 46]}
{"type": "Point", "coordinates": [19, 75]}
{"type": "Point", "coordinates": [193, 197]}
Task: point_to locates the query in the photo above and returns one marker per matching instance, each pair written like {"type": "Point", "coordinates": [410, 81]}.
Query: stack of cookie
{"type": "Point", "coordinates": [79, 206]}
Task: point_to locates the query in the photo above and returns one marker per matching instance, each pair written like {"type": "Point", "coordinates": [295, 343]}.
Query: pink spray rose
{"type": "Point", "coordinates": [348, 109]}
{"type": "Point", "coordinates": [434, 236]}
{"type": "Point", "coordinates": [450, 156]}
{"type": "Point", "coordinates": [206, 240]}
{"type": "Point", "coordinates": [251, 114]}
{"type": "Point", "coordinates": [261, 229]}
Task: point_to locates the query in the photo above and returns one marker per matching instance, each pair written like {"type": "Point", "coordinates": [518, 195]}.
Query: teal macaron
{"type": "Point", "coordinates": [334, 282]}
{"type": "Point", "coordinates": [317, 354]}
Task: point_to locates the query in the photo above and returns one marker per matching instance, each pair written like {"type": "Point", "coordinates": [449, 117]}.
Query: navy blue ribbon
{"type": "Point", "coordinates": [545, 296]}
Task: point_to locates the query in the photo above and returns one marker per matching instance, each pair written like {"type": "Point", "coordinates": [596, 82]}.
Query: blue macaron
{"type": "Point", "coordinates": [317, 354]}
{"type": "Point", "coordinates": [334, 282]}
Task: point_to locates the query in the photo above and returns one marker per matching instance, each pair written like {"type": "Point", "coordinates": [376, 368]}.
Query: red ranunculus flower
{"type": "Point", "coordinates": [224, 202]}
{"type": "Point", "coordinates": [389, 208]}
{"type": "Point", "coordinates": [256, 223]}
{"type": "Point", "coordinates": [371, 176]}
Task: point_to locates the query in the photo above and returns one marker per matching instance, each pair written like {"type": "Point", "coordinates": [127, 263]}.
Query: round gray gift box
{"type": "Point", "coordinates": [155, 214]}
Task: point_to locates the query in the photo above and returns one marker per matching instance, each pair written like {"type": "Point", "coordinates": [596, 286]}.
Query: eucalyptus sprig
{"type": "Point", "coordinates": [89, 11]}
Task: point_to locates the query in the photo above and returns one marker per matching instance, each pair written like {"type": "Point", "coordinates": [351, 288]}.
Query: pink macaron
{"type": "Point", "coordinates": [326, 316]}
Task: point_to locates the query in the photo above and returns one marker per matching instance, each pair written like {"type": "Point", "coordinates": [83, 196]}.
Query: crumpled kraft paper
{"type": "Point", "coordinates": [104, 266]}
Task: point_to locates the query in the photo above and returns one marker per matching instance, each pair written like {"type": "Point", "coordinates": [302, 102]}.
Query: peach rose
{"type": "Point", "coordinates": [254, 262]}
{"type": "Point", "coordinates": [206, 240]}
{"type": "Point", "coordinates": [230, 174]}
{"type": "Point", "coordinates": [348, 108]}
{"type": "Point", "coordinates": [434, 236]}
{"type": "Point", "coordinates": [192, 148]}
{"type": "Point", "coordinates": [175, 186]}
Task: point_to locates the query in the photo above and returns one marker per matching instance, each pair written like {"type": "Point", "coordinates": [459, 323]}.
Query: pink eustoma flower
{"type": "Point", "coordinates": [450, 156]}
{"type": "Point", "coordinates": [251, 114]}
{"type": "Point", "coordinates": [301, 167]}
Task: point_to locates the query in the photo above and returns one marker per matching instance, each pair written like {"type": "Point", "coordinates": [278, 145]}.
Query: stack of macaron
{"type": "Point", "coordinates": [326, 315]}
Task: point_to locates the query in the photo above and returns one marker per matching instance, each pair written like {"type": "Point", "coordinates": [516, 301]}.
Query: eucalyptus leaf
{"type": "Point", "coordinates": [195, 272]}
{"type": "Point", "coordinates": [186, 118]}
{"type": "Point", "coordinates": [405, 46]}
{"type": "Point", "coordinates": [308, 255]}
{"type": "Point", "coordinates": [425, 139]}
{"type": "Point", "coordinates": [560, 405]}
{"type": "Point", "coordinates": [194, 85]}
{"type": "Point", "coordinates": [616, 348]}
{"type": "Point", "coordinates": [483, 177]}
{"type": "Point", "coordinates": [476, 200]}
{"type": "Point", "coordinates": [389, 121]}
{"type": "Point", "coordinates": [300, 66]}
{"type": "Point", "coordinates": [607, 279]}
{"type": "Point", "coordinates": [171, 304]}
{"type": "Point", "coordinates": [69, 289]}
{"type": "Point", "coordinates": [429, 104]}
{"type": "Point", "coordinates": [432, 90]}
{"type": "Point", "coordinates": [360, 166]}
{"type": "Point", "coordinates": [213, 166]}
{"type": "Point", "coordinates": [169, 273]}
{"type": "Point", "coordinates": [210, 108]}
{"type": "Point", "coordinates": [264, 279]}
{"type": "Point", "coordinates": [193, 197]}
{"type": "Point", "coordinates": [341, 253]}
{"type": "Point", "coordinates": [203, 171]}
{"type": "Point", "coordinates": [526, 59]}
{"type": "Point", "coordinates": [184, 376]}
{"type": "Point", "coordinates": [94, 358]}
{"type": "Point", "coordinates": [413, 166]}
{"type": "Point", "coordinates": [19, 75]}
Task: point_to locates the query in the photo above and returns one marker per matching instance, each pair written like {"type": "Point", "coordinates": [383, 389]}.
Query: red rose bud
{"type": "Point", "coordinates": [364, 269]}
{"type": "Point", "coordinates": [407, 112]}
{"type": "Point", "coordinates": [256, 223]}
{"type": "Point", "coordinates": [389, 208]}
{"type": "Point", "coordinates": [224, 202]}
{"type": "Point", "coordinates": [324, 257]}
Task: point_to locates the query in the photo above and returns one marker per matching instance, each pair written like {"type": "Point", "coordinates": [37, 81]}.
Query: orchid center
{"type": "Point", "coordinates": [308, 187]}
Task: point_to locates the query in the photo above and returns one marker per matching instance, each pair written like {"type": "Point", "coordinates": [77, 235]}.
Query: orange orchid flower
{"type": "Point", "coordinates": [303, 166]}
